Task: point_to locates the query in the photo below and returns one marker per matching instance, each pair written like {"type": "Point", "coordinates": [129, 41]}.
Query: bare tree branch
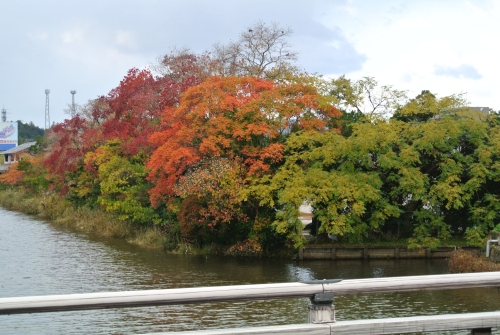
{"type": "Point", "coordinates": [261, 51]}
{"type": "Point", "coordinates": [366, 96]}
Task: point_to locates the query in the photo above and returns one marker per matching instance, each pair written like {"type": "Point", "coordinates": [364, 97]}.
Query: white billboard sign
{"type": "Point", "coordinates": [8, 135]}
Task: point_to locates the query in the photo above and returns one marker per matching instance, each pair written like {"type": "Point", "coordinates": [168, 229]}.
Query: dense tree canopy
{"type": "Point", "coordinates": [245, 118]}
{"type": "Point", "coordinates": [130, 113]}
{"type": "Point", "coordinates": [423, 179]}
{"type": "Point", "coordinates": [225, 131]}
{"type": "Point", "coordinates": [222, 148]}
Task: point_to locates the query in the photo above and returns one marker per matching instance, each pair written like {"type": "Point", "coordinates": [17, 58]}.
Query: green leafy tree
{"type": "Point", "coordinates": [122, 184]}
{"type": "Point", "coordinates": [28, 132]}
{"type": "Point", "coordinates": [424, 177]}
{"type": "Point", "coordinates": [426, 106]}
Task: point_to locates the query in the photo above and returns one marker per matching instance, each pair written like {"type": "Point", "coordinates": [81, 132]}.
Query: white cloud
{"type": "Point", "coordinates": [101, 57]}
{"type": "Point", "coordinates": [100, 49]}
{"type": "Point", "coordinates": [349, 8]}
{"type": "Point", "coordinates": [397, 8]}
{"type": "Point", "coordinates": [38, 36]}
{"type": "Point", "coordinates": [412, 23]}
{"type": "Point", "coordinates": [446, 47]}
{"type": "Point", "coordinates": [335, 44]}
{"type": "Point", "coordinates": [412, 45]}
{"type": "Point", "coordinates": [125, 39]}
{"type": "Point", "coordinates": [73, 35]}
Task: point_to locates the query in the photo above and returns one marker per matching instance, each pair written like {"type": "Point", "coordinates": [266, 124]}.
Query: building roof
{"type": "Point", "coordinates": [486, 110]}
{"type": "Point", "coordinates": [19, 148]}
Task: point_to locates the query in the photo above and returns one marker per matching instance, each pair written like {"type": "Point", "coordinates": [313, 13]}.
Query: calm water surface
{"type": "Point", "coordinates": [37, 258]}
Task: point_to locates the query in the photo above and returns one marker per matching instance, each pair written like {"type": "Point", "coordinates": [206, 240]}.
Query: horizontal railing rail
{"type": "Point", "coordinates": [178, 296]}
{"type": "Point", "coordinates": [386, 326]}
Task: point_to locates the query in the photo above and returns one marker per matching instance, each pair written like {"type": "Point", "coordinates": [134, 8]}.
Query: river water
{"type": "Point", "coordinates": [37, 258]}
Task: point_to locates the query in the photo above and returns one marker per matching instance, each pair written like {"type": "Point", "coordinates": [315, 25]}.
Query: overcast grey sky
{"type": "Point", "coordinates": [444, 46]}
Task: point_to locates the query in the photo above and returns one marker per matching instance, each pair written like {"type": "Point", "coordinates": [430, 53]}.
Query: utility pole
{"type": "Point", "coordinates": [47, 114]}
{"type": "Point", "coordinates": [4, 115]}
{"type": "Point", "coordinates": [73, 110]}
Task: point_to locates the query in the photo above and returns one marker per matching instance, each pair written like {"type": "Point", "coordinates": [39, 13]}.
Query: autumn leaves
{"type": "Point", "coordinates": [243, 119]}
{"type": "Point", "coordinates": [225, 134]}
{"type": "Point", "coordinates": [221, 149]}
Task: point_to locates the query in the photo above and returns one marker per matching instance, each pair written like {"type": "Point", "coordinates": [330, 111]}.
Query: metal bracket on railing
{"type": "Point", "coordinates": [321, 309]}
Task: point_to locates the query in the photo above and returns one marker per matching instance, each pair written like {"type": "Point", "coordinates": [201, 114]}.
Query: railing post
{"type": "Point", "coordinates": [321, 309]}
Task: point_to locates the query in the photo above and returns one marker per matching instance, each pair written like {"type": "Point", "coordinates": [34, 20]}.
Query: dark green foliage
{"type": "Point", "coordinates": [348, 120]}
{"type": "Point", "coordinates": [29, 132]}
{"type": "Point", "coordinates": [201, 231]}
{"type": "Point", "coordinates": [425, 101]}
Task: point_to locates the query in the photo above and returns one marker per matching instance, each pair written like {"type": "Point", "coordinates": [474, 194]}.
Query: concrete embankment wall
{"type": "Point", "coordinates": [327, 252]}
{"type": "Point", "coordinates": [495, 253]}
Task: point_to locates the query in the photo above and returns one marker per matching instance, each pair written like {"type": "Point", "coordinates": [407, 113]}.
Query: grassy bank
{"type": "Point", "coordinates": [59, 212]}
{"type": "Point", "coordinates": [462, 261]}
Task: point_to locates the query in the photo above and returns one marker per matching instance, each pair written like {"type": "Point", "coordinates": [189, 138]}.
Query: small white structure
{"type": "Point", "coordinates": [13, 155]}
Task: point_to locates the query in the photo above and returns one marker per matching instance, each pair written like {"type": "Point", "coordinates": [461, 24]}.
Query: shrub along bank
{"type": "Point", "coordinates": [462, 261]}
{"type": "Point", "coordinates": [58, 211]}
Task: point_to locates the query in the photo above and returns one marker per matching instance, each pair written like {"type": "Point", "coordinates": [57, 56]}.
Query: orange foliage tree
{"type": "Point", "coordinates": [27, 173]}
{"type": "Point", "coordinates": [245, 120]}
{"type": "Point", "coordinates": [13, 176]}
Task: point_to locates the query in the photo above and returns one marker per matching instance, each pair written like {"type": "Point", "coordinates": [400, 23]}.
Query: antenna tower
{"type": "Point", "coordinates": [73, 110]}
{"type": "Point", "coordinates": [47, 115]}
{"type": "Point", "coordinates": [4, 115]}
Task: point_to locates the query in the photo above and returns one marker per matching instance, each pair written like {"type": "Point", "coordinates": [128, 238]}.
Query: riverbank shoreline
{"type": "Point", "coordinates": [55, 210]}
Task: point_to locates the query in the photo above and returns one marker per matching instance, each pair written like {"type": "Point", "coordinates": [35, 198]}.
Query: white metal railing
{"type": "Point", "coordinates": [321, 292]}
{"type": "Point", "coordinates": [418, 324]}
